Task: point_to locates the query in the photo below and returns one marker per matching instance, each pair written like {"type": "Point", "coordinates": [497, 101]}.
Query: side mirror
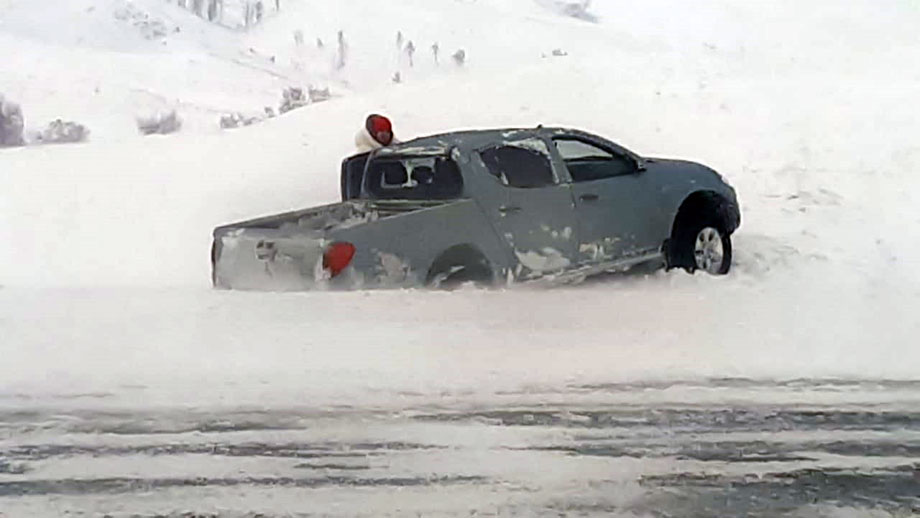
{"type": "Point", "coordinates": [640, 165]}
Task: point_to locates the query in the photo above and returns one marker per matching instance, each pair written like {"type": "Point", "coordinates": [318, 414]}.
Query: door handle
{"type": "Point", "coordinates": [509, 209]}
{"type": "Point", "coordinates": [589, 197]}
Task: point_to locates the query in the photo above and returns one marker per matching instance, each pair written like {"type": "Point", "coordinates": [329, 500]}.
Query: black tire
{"type": "Point", "coordinates": [457, 266]}
{"type": "Point", "coordinates": [684, 248]}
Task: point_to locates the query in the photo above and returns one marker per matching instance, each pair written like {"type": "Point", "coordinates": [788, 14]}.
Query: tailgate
{"type": "Point", "coordinates": [266, 259]}
{"type": "Point", "coordinates": [283, 251]}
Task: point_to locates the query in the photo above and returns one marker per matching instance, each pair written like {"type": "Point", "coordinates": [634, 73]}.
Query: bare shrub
{"type": "Point", "coordinates": [60, 132]}
{"type": "Point", "coordinates": [159, 123]}
{"type": "Point", "coordinates": [292, 98]}
{"type": "Point", "coordinates": [459, 57]}
{"type": "Point", "coordinates": [574, 8]}
{"type": "Point", "coordinates": [318, 95]}
{"type": "Point", "coordinates": [236, 120]}
{"type": "Point", "coordinates": [11, 123]}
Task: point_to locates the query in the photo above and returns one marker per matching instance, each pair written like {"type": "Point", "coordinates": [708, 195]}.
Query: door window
{"type": "Point", "coordinates": [587, 162]}
{"type": "Point", "coordinates": [519, 166]}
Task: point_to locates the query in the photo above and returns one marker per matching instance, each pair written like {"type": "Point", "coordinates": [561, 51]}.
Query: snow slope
{"type": "Point", "coordinates": [807, 109]}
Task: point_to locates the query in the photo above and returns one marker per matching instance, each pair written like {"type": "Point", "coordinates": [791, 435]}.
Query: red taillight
{"type": "Point", "coordinates": [337, 257]}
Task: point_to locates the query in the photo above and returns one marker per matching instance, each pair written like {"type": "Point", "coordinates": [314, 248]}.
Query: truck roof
{"type": "Point", "coordinates": [442, 143]}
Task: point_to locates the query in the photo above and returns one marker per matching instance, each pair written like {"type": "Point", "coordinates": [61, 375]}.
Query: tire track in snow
{"type": "Point", "coordinates": [690, 458]}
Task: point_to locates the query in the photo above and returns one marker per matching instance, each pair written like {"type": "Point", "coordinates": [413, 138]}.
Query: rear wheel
{"type": "Point", "coordinates": [458, 266]}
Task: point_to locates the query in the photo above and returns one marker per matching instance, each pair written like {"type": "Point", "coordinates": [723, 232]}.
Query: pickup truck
{"type": "Point", "coordinates": [489, 207]}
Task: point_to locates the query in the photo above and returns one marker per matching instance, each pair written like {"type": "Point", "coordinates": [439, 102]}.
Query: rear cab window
{"type": "Point", "coordinates": [413, 178]}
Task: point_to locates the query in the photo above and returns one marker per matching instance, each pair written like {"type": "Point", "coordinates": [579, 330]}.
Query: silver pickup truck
{"type": "Point", "coordinates": [488, 207]}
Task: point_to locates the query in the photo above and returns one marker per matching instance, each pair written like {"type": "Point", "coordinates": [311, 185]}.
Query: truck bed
{"type": "Point", "coordinates": [284, 251]}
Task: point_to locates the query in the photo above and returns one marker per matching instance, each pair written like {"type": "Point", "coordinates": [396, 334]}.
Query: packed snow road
{"type": "Point", "coordinates": [666, 395]}
{"type": "Point", "coordinates": [643, 449]}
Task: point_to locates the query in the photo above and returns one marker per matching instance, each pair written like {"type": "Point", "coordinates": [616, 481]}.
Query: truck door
{"type": "Point", "coordinates": [615, 208]}
{"type": "Point", "coordinates": [530, 206]}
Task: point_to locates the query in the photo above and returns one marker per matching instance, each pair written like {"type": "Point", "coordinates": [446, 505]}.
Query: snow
{"type": "Point", "coordinates": [816, 133]}
{"type": "Point", "coordinates": [545, 260]}
{"type": "Point", "coordinates": [807, 109]}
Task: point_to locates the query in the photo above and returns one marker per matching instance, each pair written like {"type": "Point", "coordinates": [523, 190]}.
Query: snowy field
{"type": "Point", "coordinates": [788, 388]}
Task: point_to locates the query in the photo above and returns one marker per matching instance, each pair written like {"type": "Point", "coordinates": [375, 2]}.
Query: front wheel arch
{"type": "Point", "coordinates": [699, 210]}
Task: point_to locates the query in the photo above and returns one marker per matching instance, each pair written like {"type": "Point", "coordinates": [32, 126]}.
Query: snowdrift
{"type": "Point", "coordinates": [808, 110]}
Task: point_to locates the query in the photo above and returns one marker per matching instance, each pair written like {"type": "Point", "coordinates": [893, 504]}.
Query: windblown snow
{"type": "Point", "coordinates": [808, 109]}
{"type": "Point", "coordinates": [129, 388]}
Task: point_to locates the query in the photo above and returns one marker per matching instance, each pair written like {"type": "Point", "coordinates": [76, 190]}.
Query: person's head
{"type": "Point", "coordinates": [380, 129]}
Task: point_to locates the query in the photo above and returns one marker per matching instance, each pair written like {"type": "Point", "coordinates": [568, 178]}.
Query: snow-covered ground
{"type": "Point", "coordinates": [809, 110]}
{"type": "Point", "coordinates": [586, 451]}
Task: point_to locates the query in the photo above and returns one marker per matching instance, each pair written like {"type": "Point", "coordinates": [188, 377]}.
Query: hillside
{"type": "Point", "coordinates": [807, 111]}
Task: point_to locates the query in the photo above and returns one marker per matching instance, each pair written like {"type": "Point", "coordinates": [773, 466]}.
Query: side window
{"type": "Point", "coordinates": [519, 166]}
{"type": "Point", "coordinates": [587, 162]}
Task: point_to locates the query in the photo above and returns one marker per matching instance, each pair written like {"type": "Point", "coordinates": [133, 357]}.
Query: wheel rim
{"type": "Point", "coordinates": [707, 250]}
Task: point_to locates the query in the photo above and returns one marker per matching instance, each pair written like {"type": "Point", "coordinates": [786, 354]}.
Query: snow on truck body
{"type": "Point", "coordinates": [486, 206]}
